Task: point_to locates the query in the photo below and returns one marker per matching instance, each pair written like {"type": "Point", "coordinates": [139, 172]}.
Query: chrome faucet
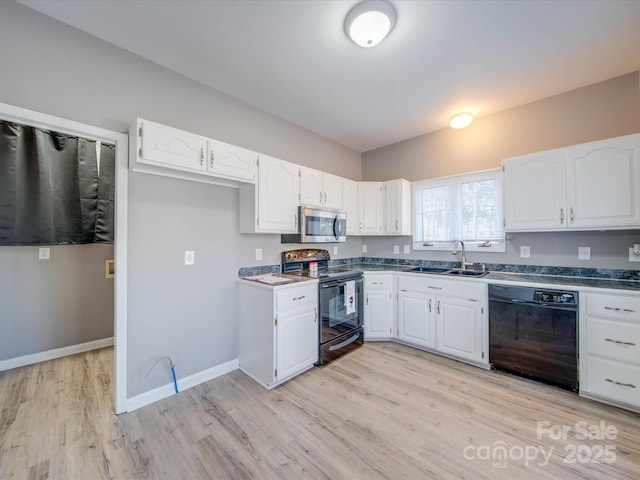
{"type": "Point", "coordinates": [463, 262]}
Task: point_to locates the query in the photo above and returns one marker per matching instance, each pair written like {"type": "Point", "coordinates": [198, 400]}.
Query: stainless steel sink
{"type": "Point", "coordinates": [448, 271]}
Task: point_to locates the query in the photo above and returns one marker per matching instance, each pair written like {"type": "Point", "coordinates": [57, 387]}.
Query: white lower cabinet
{"type": "Point", "coordinates": [446, 316]}
{"type": "Point", "coordinates": [610, 348]}
{"type": "Point", "coordinates": [378, 306]}
{"type": "Point", "coordinates": [278, 330]}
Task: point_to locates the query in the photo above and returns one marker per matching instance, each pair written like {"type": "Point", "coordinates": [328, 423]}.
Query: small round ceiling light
{"type": "Point", "coordinates": [369, 22]}
{"type": "Point", "coordinates": [461, 120]}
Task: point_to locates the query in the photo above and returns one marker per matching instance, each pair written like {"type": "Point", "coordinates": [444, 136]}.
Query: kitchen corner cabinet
{"type": "Point", "coordinates": [271, 205]}
{"type": "Point", "coordinates": [278, 330]}
{"type": "Point", "coordinates": [167, 151]}
{"type": "Point", "coordinates": [590, 186]}
{"type": "Point", "coordinates": [370, 208]}
{"type": "Point", "coordinates": [350, 205]}
{"type": "Point", "coordinates": [397, 207]}
{"type": "Point", "coordinates": [448, 317]}
{"type": "Point", "coordinates": [378, 306]}
{"type": "Point", "coordinates": [320, 189]}
{"type": "Point", "coordinates": [610, 348]}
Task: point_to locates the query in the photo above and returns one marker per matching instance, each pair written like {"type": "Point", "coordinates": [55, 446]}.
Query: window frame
{"type": "Point", "coordinates": [491, 245]}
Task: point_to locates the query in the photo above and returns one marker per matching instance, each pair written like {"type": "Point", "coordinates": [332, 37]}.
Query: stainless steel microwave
{"type": "Point", "coordinates": [319, 225]}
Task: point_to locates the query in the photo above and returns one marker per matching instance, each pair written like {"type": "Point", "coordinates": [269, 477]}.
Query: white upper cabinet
{"type": "Point", "coordinates": [397, 207]}
{"type": "Point", "coordinates": [170, 152]}
{"type": "Point", "coordinates": [320, 189]}
{"type": "Point", "coordinates": [603, 187]}
{"type": "Point", "coordinates": [171, 147]}
{"type": "Point", "coordinates": [370, 208]}
{"type": "Point", "coordinates": [350, 205]}
{"type": "Point", "coordinates": [585, 187]}
{"type": "Point", "coordinates": [271, 206]}
{"type": "Point", "coordinates": [229, 161]}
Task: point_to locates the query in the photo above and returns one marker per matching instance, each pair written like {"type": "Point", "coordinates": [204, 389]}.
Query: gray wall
{"type": "Point", "coordinates": [607, 109]}
{"type": "Point", "coordinates": [49, 304]}
{"type": "Point", "coordinates": [185, 312]}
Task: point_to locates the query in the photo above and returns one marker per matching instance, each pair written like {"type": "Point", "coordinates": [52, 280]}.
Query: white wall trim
{"type": "Point", "coordinates": [120, 140]}
{"type": "Point", "coordinates": [185, 383]}
{"type": "Point", "coordinates": [53, 354]}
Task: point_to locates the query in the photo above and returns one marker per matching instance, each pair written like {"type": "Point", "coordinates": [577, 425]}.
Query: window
{"type": "Point", "coordinates": [465, 207]}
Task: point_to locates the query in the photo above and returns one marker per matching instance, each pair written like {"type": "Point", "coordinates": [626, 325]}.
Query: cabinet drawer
{"type": "Point", "coordinates": [614, 306]}
{"type": "Point", "coordinates": [617, 340]}
{"type": "Point", "coordinates": [416, 283]}
{"type": "Point", "coordinates": [292, 297]}
{"type": "Point", "coordinates": [614, 380]}
{"type": "Point", "coordinates": [382, 282]}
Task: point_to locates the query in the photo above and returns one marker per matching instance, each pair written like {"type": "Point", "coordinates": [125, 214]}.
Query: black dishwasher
{"type": "Point", "coordinates": [533, 333]}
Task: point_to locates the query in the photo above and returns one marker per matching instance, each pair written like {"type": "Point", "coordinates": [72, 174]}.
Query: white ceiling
{"type": "Point", "coordinates": [293, 59]}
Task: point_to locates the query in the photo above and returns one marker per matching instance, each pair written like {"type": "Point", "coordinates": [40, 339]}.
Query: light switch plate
{"type": "Point", "coordinates": [189, 257]}
{"type": "Point", "coordinates": [584, 253]}
{"type": "Point", "coordinates": [633, 257]}
{"type": "Point", "coordinates": [364, 248]}
{"type": "Point", "coordinates": [335, 249]}
{"type": "Point", "coordinates": [525, 252]}
{"type": "Point", "coordinates": [407, 249]}
{"type": "Point", "coordinates": [258, 254]}
{"type": "Point", "coordinates": [44, 253]}
{"type": "Point", "coordinates": [396, 249]}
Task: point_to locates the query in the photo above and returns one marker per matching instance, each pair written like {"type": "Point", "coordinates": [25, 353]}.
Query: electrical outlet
{"type": "Point", "coordinates": [364, 248]}
{"type": "Point", "coordinates": [407, 249]}
{"type": "Point", "coordinates": [335, 249]}
{"type": "Point", "coordinates": [44, 253]}
{"type": "Point", "coordinates": [258, 254]}
{"type": "Point", "coordinates": [584, 253]}
{"type": "Point", "coordinates": [525, 252]}
{"type": "Point", "coordinates": [189, 257]}
{"type": "Point", "coordinates": [633, 256]}
{"type": "Point", "coordinates": [396, 249]}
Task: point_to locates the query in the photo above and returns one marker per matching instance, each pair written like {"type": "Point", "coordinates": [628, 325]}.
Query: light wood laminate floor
{"type": "Point", "coordinates": [384, 411]}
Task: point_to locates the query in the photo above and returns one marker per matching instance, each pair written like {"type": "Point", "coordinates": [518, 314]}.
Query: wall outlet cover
{"type": "Point", "coordinates": [44, 253]}
{"type": "Point", "coordinates": [258, 254]}
{"type": "Point", "coordinates": [525, 252]}
{"type": "Point", "coordinates": [364, 248]}
{"type": "Point", "coordinates": [633, 257]}
{"type": "Point", "coordinates": [335, 249]}
{"type": "Point", "coordinates": [396, 249]}
{"type": "Point", "coordinates": [189, 257]}
{"type": "Point", "coordinates": [584, 253]}
{"type": "Point", "coordinates": [407, 249]}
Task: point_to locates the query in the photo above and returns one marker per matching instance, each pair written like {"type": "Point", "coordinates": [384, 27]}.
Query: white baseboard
{"type": "Point", "coordinates": [167, 390]}
{"type": "Point", "coordinates": [53, 354]}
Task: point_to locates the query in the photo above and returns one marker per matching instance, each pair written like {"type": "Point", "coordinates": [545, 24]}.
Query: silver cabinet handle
{"type": "Point", "coordinates": [298, 298]}
{"type": "Point", "coordinates": [325, 198]}
{"type": "Point", "coordinates": [429, 305]}
{"type": "Point", "coordinates": [212, 159]}
{"type": "Point", "coordinates": [402, 290]}
{"type": "Point", "coordinates": [367, 299]}
{"type": "Point", "coordinates": [630, 385]}
{"type": "Point", "coordinates": [562, 216]}
{"type": "Point", "coordinates": [201, 156]}
{"type": "Point", "coordinates": [315, 315]}
{"type": "Point", "coordinates": [571, 215]}
{"type": "Point", "coordinates": [618, 309]}
{"type": "Point", "coordinates": [320, 198]}
{"type": "Point", "coordinates": [396, 224]}
{"type": "Point", "coordinates": [295, 220]}
{"type": "Point", "coordinates": [434, 288]}
{"type": "Point", "coordinates": [619, 342]}
{"type": "Point", "coordinates": [438, 307]}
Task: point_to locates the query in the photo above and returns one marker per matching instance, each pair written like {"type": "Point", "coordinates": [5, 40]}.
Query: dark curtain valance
{"type": "Point", "coordinates": [54, 188]}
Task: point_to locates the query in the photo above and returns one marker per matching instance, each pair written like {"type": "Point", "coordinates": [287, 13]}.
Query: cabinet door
{"type": "Point", "coordinates": [604, 179]}
{"type": "Point", "coordinates": [370, 208]}
{"type": "Point", "coordinates": [230, 161]}
{"type": "Point", "coordinates": [378, 315]}
{"type": "Point", "coordinates": [297, 340]}
{"type": "Point", "coordinates": [278, 188]}
{"type": "Point", "coordinates": [535, 192]}
{"type": "Point", "coordinates": [173, 148]}
{"type": "Point", "coordinates": [397, 207]}
{"type": "Point", "coordinates": [332, 191]}
{"type": "Point", "coordinates": [459, 327]}
{"type": "Point", "coordinates": [415, 318]}
{"type": "Point", "coordinates": [350, 205]}
{"type": "Point", "coordinates": [311, 187]}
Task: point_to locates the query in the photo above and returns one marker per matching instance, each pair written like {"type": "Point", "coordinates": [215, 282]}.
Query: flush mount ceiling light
{"type": "Point", "coordinates": [461, 120]}
{"type": "Point", "coordinates": [369, 22]}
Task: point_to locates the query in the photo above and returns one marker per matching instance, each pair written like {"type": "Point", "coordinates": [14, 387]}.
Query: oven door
{"type": "Point", "coordinates": [338, 314]}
